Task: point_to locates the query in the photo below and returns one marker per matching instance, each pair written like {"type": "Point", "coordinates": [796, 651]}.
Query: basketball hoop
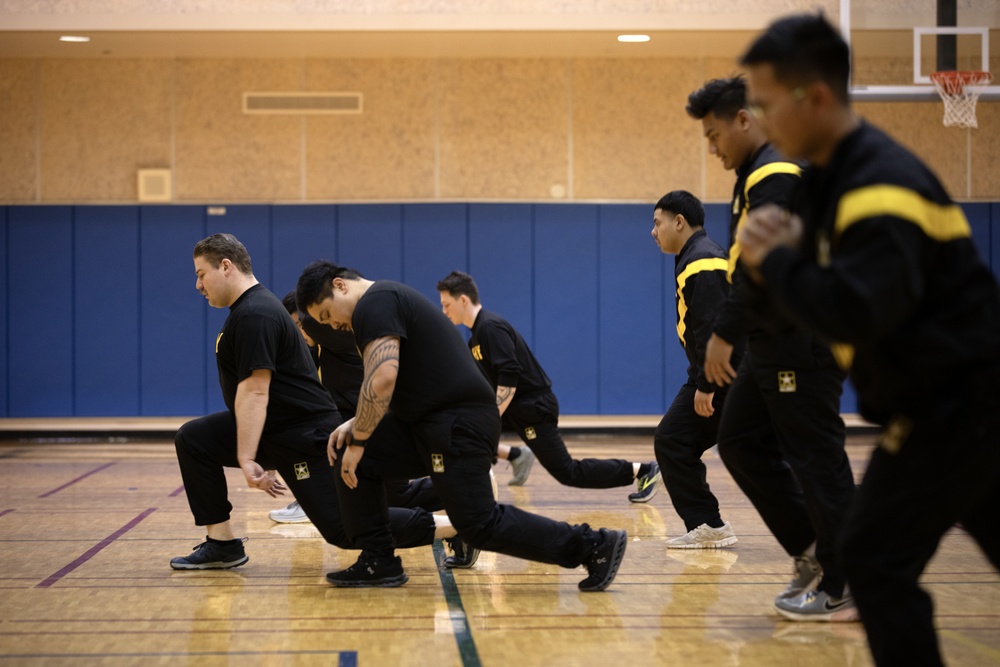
{"type": "Point", "coordinates": [960, 93]}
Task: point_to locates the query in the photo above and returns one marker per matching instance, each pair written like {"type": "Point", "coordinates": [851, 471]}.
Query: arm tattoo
{"type": "Point", "coordinates": [381, 355]}
{"type": "Point", "coordinates": [503, 393]}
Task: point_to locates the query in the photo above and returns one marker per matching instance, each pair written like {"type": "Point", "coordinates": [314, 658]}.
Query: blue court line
{"type": "Point", "coordinates": [345, 658]}
{"type": "Point", "coordinates": [459, 621]}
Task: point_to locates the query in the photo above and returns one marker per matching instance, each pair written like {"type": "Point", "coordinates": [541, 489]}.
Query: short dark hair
{"type": "Point", "coordinates": [721, 97]}
{"type": "Point", "coordinates": [218, 247]}
{"type": "Point", "coordinates": [316, 282]}
{"type": "Point", "coordinates": [458, 283]}
{"type": "Point", "coordinates": [683, 203]}
{"type": "Point", "coordinates": [289, 303]}
{"type": "Point", "coordinates": [804, 48]}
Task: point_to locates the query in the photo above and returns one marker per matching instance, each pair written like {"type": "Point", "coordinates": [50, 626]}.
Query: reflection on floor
{"type": "Point", "coordinates": [86, 531]}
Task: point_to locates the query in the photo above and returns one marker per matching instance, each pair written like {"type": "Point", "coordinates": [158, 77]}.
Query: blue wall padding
{"type": "Point", "coordinates": [301, 235]}
{"type": "Point", "coordinates": [501, 259]}
{"type": "Point", "coordinates": [633, 295]}
{"type": "Point", "coordinates": [106, 299]}
{"type": "Point", "coordinates": [175, 350]}
{"type": "Point", "coordinates": [370, 240]}
{"type": "Point", "coordinates": [435, 243]}
{"type": "Point", "coordinates": [41, 313]}
{"type": "Point", "coordinates": [994, 251]}
{"type": "Point", "coordinates": [566, 301]}
{"type": "Point", "coordinates": [101, 317]}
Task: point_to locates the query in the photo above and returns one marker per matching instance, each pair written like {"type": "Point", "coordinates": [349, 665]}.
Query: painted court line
{"type": "Point", "coordinates": [74, 481]}
{"type": "Point", "coordinates": [5, 512]}
{"type": "Point", "coordinates": [178, 491]}
{"type": "Point", "coordinates": [94, 550]}
{"type": "Point", "coordinates": [456, 611]}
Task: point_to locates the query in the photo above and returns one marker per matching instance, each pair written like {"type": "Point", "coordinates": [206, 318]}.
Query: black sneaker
{"type": "Point", "coordinates": [464, 555]}
{"type": "Point", "coordinates": [213, 555]}
{"type": "Point", "coordinates": [603, 563]}
{"type": "Point", "coordinates": [369, 572]}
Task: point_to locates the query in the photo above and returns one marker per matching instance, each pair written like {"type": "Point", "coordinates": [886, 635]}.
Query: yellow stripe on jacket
{"type": "Point", "coordinates": [697, 266]}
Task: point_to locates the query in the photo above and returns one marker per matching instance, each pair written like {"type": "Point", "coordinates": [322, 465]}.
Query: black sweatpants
{"type": "Point", "coordinates": [782, 439]}
{"type": "Point", "coordinates": [419, 493]}
{"type": "Point", "coordinates": [536, 419]}
{"type": "Point", "coordinates": [456, 448]}
{"type": "Point", "coordinates": [679, 442]}
{"type": "Point", "coordinates": [946, 472]}
{"type": "Point", "coordinates": [208, 444]}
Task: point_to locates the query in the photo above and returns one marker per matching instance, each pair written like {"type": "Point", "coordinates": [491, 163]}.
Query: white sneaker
{"type": "Point", "coordinates": [291, 514]}
{"type": "Point", "coordinates": [705, 537]}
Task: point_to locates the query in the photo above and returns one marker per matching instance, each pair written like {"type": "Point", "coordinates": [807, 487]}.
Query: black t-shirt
{"type": "Point", "coordinates": [435, 368]}
{"type": "Point", "coordinates": [505, 357]}
{"type": "Point", "coordinates": [341, 369]}
{"type": "Point", "coordinates": [259, 334]}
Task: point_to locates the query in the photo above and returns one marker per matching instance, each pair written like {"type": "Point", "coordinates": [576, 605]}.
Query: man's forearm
{"type": "Point", "coordinates": [381, 368]}
{"type": "Point", "coordinates": [251, 411]}
{"type": "Point", "coordinates": [505, 396]}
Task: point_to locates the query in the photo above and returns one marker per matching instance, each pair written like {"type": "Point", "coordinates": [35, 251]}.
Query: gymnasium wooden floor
{"type": "Point", "coordinates": [87, 530]}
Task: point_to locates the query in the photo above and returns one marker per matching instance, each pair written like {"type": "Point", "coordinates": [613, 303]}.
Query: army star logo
{"type": "Point", "coordinates": [529, 433]}
{"type": "Point", "coordinates": [301, 470]}
{"type": "Point", "coordinates": [437, 462]}
{"type": "Point", "coordinates": [786, 382]}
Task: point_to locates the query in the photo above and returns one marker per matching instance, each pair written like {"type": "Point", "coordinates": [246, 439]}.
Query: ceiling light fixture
{"type": "Point", "coordinates": [74, 38]}
{"type": "Point", "coordinates": [633, 38]}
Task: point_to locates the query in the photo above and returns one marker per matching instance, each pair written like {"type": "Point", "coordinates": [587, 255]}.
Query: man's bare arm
{"type": "Point", "coordinates": [381, 358]}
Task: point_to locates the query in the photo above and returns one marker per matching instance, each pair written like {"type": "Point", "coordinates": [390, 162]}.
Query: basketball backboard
{"type": "Point", "coordinates": [896, 45]}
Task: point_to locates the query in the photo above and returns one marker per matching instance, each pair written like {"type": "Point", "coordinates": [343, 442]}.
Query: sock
{"type": "Point", "coordinates": [716, 523]}
{"type": "Point", "coordinates": [514, 453]}
{"type": "Point", "coordinates": [643, 470]}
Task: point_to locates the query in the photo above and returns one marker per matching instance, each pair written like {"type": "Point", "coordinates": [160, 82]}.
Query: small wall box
{"type": "Point", "coordinates": [154, 185]}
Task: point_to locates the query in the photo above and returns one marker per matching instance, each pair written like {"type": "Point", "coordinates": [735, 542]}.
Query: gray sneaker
{"type": "Point", "coordinates": [818, 606]}
{"type": "Point", "coordinates": [291, 514]}
{"type": "Point", "coordinates": [705, 537]}
{"type": "Point", "coordinates": [522, 466]}
{"type": "Point", "coordinates": [808, 573]}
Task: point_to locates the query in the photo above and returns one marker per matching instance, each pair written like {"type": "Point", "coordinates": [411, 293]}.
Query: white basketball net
{"type": "Point", "coordinates": [960, 94]}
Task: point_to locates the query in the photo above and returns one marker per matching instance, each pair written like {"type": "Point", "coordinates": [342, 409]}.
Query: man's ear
{"type": "Point", "coordinates": [743, 119]}
{"type": "Point", "coordinates": [680, 222]}
{"type": "Point", "coordinates": [819, 95]}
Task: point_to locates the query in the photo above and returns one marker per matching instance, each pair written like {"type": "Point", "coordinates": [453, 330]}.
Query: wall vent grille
{"type": "Point", "coordinates": [303, 103]}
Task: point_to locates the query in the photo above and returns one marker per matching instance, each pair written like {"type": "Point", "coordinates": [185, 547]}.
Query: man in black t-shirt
{"type": "Point", "coordinates": [525, 399]}
{"type": "Point", "coordinates": [278, 418]}
{"type": "Point", "coordinates": [340, 372]}
{"type": "Point", "coordinates": [422, 384]}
